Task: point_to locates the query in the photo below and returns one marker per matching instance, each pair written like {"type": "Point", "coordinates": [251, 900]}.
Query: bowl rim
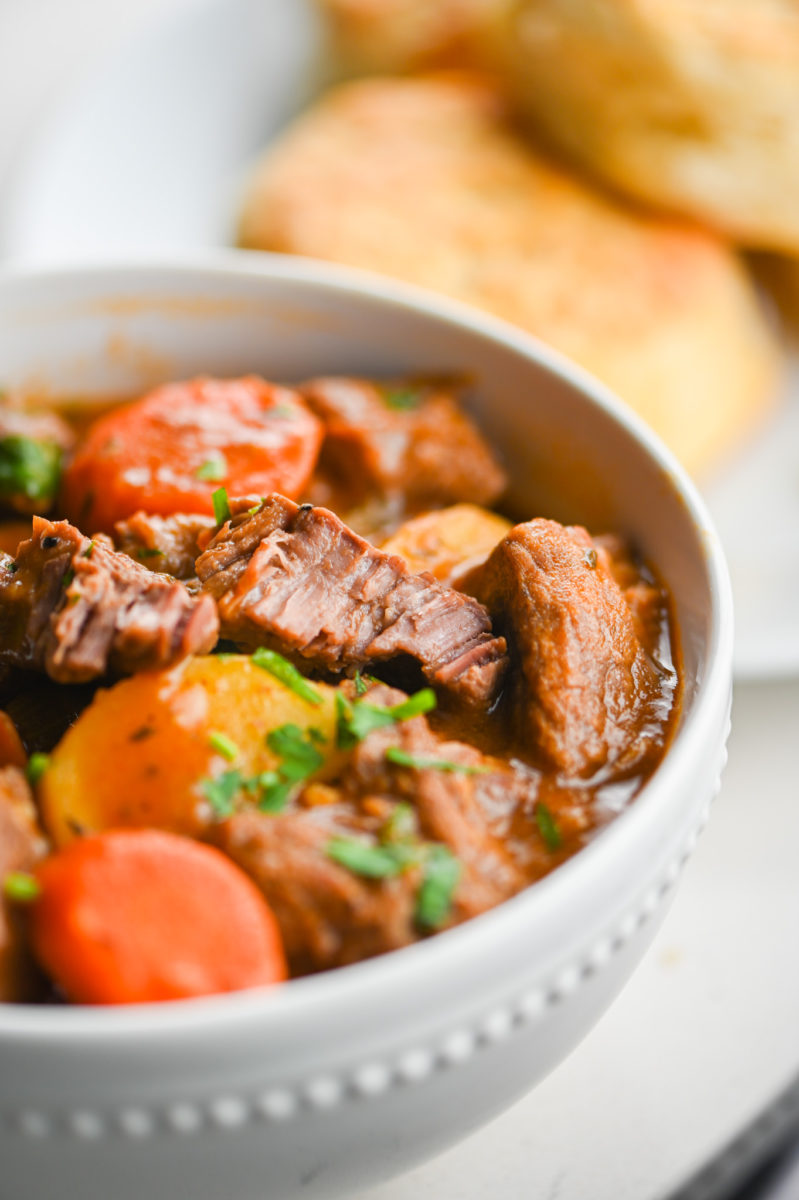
{"type": "Point", "coordinates": [88, 1023]}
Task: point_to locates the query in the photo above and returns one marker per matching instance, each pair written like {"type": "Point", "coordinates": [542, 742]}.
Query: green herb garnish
{"type": "Point", "coordinates": [421, 762]}
{"type": "Point", "coordinates": [29, 468]}
{"type": "Point", "coordinates": [21, 888]}
{"type": "Point", "coordinates": [149, 552]}
{"type": "Point", "coordinates": [287, 674]}
{"type": "Point", "coordinates": [69, 575]}
{"type": "Point", "coordinates": [403, 399]}
{"type": "Point", "coordinates": [37, 765]}
{"type": "Point", "coordinates": [441, 873]}
{"type": "Point", "coordinates": [374, 862]}
{"type": "Point", "coordinates": [213, 469]}
{"type": "Point", "coordinates": [223, 745]}
{"type": "Point", "coordinates": [295, 746]}
{"type": "Point", "coordinates": [361, 686]}
{"type": "Point", "coordinates": [547, 827]}
{"type": "Point", "coordinates": [401, 824]}
{"type": "Point", "coordinates": [357, 719]}
{"type": "Point", "coordinates": [222, 791]}
{"type": "Point", "coordinates": [87, 553]}
{"type": "Point", "coordinates": [274, 791]}
{"type": "Point", "coordinates": [221, 504]}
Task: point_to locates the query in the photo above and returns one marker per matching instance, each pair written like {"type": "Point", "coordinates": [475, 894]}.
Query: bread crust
{"type": "Point", "coordinates": [690, 105]}
{"type": "Point", "coordinates": [423, 179]}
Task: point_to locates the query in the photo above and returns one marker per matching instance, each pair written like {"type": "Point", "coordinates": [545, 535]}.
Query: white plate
{"type": "Point", "coordinates": [150, 155]}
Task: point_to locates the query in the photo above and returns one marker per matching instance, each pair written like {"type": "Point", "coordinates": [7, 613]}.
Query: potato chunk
{"type": "Point", "coordinates": [140, 753]}
{"type": "Point", "coordinates": [449, 541]}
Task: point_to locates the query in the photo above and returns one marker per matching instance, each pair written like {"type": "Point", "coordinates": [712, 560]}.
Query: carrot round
{"type": "Point", "coordinates": [169, 451]}
{"type": "Point", "coordinates": [132, 916]}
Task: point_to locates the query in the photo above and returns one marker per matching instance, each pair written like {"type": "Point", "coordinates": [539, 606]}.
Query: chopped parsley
{"type": "Point", "coordinates": [149, 552]}
{"type": "Point", "coordinates": [401, 824]}
{"type": "Point", "coordinates": [296, 748]}
{"type": "Point", "coordinates": [274, 791]}
{"type": "Point", "coordinates": [403, 399]}
{"type": "Point", "coordinates": [421, 762]}
{"type": "Point", "coordinates": [271, 790]}
{"type": "Point", "coordinates": [221, 792]}
{"type": "Point", "coordinates": [286, 673]}
{"type": "Point", "coordinates": [547, 827]}
{"type": "Point", "coordinates": [87, 553]}
{"type": "Point", "coordinates": [21, 888]}
{"type": "Point", "coordinates": [213, 469]}
{"type": "Point", "coordinates": [357, 719]}
{"type": "Point", "coordinates": [373, 862]}
{"type": "Point", "coordinates": [37, 765]}
{"type": "Point", "coordinates": [69, 575]}
{"type": "Point", "coordinates": [361, 685]}
{"type": "Point", "coordinates": [441, 873]}
{"type": "Point", "coordinates": [221, 504]}
{"type": "Point", "coordinates": [29, 468]}
{"type": "Point", "coordinates": [223, 745]}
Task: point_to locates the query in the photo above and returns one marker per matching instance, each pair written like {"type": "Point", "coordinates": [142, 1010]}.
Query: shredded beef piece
{"type": "Point", "coordinates": [587, 693]}
{"type": "Point", "coordinates": [298, 580]}
{"type": "Point", "coordinates": [168, 545]}
{"type": "Point", "coordinates": [21, 844]}
{"type": "Point", "coordinates": [330, 915]}
{"type": "Point", "coordinates": [402, 438]}
{"type": "Point", "coordinates": [79, 610]}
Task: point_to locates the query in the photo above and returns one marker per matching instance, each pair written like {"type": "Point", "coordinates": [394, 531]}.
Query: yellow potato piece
{"type": "Point", "coordinates": [139, 753]}
{"type": "Point", "coordinates": [448, 542]}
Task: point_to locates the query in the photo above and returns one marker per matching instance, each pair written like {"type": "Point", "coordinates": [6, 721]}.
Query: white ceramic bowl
{"type": "Point", "coordinates": [332, 1082]}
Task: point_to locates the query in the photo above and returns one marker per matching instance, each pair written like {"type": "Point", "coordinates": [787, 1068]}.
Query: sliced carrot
{"type": "Point", "coordinates": [171, 450]}
{"type": "Point", "coordinates": [132, 916]}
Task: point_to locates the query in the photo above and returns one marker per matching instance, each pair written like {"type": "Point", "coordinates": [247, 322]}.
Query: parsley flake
{"type": "Point", "coordinates": [357, 719]}
{"type": "Point", "coordinates": [287, 674]}
{"type": "Point", "coordinates": [402, 399]}
{"type": "Point", "coordinates": [295, 747]}
{"type": "Point", "coordinates": [373, 862]}
{"type": "Point", "coordinates": [222, 791]}
{"type": "Point", "coordinates": [29, 468]}
{"type": "Point", "coordinates": [221, 504]}
{"type": "Point", "coordinates": [149, 552]}
{"type": "Point", "coordinates": [421, 762]}
{"type": "Point", "coordinates": [21, 888]}
{"type": "Point", "coordinates": [213, 469]}
{"type": "Point", "coordinates": [37, 765]}
{"type": "Point", "coordinates": [223, 745]}
{"type": "Point", "coordinates": [547, 827]}
{"type": "Point", "coordinates": [441, 874]}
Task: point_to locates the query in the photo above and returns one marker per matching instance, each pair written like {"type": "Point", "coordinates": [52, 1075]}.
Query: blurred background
{"type": "Point", "coordinates": [620, 179]}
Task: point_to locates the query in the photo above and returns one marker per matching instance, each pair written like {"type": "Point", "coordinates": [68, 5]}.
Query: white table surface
{"type": "Point", "coordinates": [706, 1036]}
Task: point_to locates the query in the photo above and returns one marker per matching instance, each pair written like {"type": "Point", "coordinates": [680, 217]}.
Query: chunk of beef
{"type": "Point", "coordinates": [21, 844]}
{"type": "Point", "coordinates": [31, 448]}
{"type": "Point", "coordinates": [328, 914]}
{"type": "Point", "coordinates": [298, 580]}
{"type": "Point", "coordinates": [402, 438]}
{"type": "Point", "coordinates": [168, 545]}
{"type": "Point", "coordinates": [587, 693]}
{"type": "Point", "coordinates": [644, 598]}
{"type": "Point", "coordinates": [79, 610]}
